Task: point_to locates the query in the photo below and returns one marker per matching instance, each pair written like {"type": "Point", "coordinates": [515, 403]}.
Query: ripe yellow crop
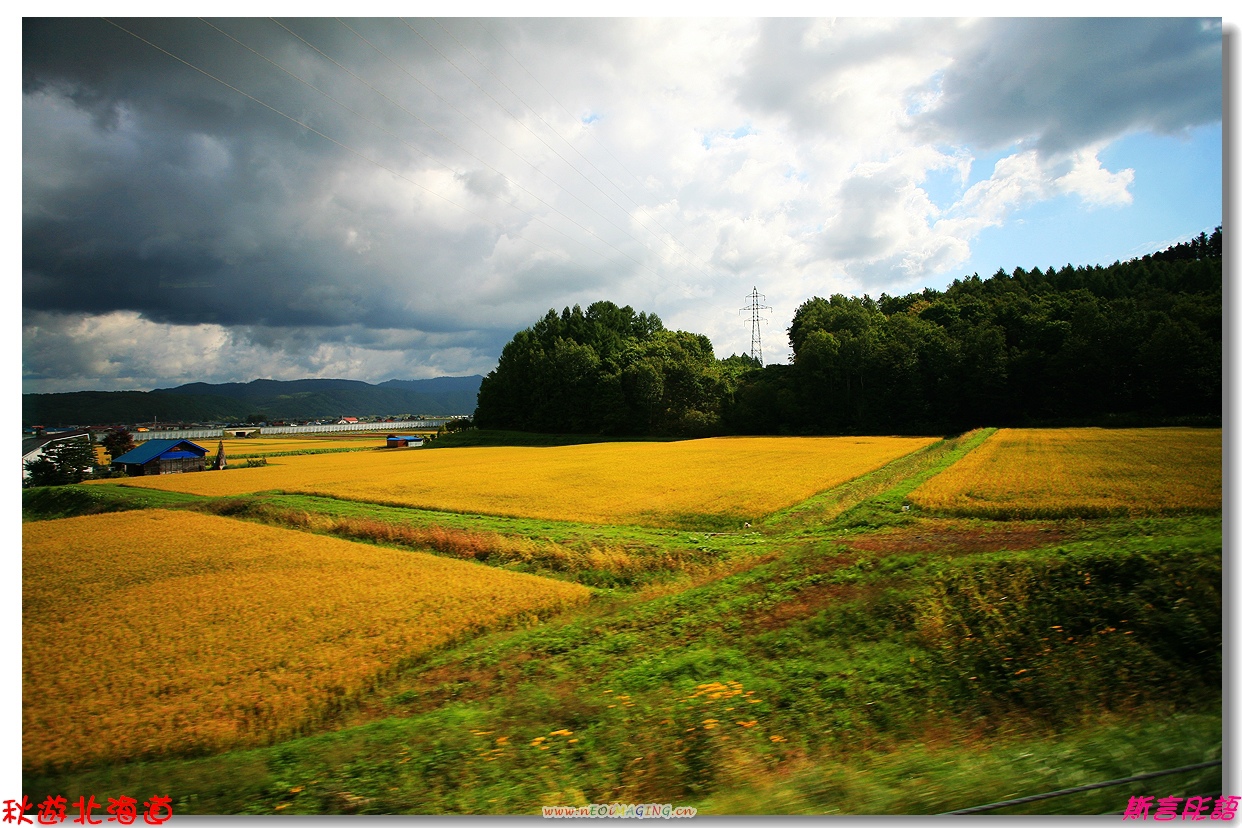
{"type": "Point", "coordinates": [1082, 472]}
{"type": "Point", "coordinates": [170, 632]}
{"type": "Point", "coordinates": [647, 483]}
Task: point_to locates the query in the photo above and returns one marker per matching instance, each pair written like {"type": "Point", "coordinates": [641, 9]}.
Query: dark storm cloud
{"type": "Point", "coordinates": [1064, 82]}
{"type": "Point", "coordinates": [1068, 83]}
{"type": "Point", "coordinates": [185, 201]}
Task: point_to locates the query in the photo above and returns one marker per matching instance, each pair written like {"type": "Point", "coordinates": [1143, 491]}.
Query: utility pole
{"type": "Point", "coordinates": [756, 316]}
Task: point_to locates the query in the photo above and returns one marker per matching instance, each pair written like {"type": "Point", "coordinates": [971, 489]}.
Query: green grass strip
{"type": "Point", "coordinates": [883, 490]}
{"type": "Point", "coordinates": [53, 502]}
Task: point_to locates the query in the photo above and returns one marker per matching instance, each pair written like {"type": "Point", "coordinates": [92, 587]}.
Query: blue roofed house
{"type": "Point", "coordinates": [162, 457]}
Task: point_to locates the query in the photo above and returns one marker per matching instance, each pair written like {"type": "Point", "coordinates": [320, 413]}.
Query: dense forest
{"type": "Point", "coordinates": [1136, 342]}
{"type": "Point", "coordinates": [608, 370]}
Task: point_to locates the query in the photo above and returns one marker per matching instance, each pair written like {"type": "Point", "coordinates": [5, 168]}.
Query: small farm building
{"type": "Point", "coordinates": [234, 431]}
{"type": "Point", "coordinates": [162, 457]}
{"type": "Point", "coordinates": [398, 441]}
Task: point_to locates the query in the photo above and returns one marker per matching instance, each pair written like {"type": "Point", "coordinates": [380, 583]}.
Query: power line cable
{"type": "Point", "coordinates": [447, 138]}
{"type": "Point", "coordinates": [589, 132]}
{"type": "Point", "coordinates": [991, 806]}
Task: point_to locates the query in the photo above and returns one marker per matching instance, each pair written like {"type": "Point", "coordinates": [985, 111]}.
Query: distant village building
{"type": "Point", "coordinates": [347, 421]}
{"type": "Point", "coordinates": [162, 457]}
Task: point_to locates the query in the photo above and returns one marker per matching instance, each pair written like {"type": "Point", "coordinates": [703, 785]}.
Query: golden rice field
{"type": "Point", "coordinates": [153, 631]}
{"type": "Point", "coordinates": [648, 483]}
{"type": "Point", "coordinates": [1082, 472]}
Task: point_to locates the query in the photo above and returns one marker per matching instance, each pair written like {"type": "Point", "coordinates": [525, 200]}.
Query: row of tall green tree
{"type": "Point", "coordinates": [1133, 342]}
{"type": "Point", "coordinates": [608, 370]}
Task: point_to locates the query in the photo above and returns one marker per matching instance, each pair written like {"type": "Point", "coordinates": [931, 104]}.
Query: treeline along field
{"type": "Point", "coordinates": [1136, 342]}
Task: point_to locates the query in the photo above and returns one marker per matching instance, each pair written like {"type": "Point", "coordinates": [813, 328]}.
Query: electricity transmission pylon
{"type": "Point", "coordinates": [756, 316]}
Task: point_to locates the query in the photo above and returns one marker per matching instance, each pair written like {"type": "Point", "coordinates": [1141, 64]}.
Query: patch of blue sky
{"type": "Point", "coordinates": [1177, 184]}
{"type": "Point", "coordinates": [710, 136]}
{"type": "Point", "coordinates": [1051, 233]}
{"type": "Point", "coordinates": [1176, 194]}
{"type": "Point", "coordinates": [943, 187]}
{"type": "Point", "coordinates": [923, 98]}
{"type": "Point", "coordinates": [590, 118]}
{"type": "Point", "coordinates": [983, 165]}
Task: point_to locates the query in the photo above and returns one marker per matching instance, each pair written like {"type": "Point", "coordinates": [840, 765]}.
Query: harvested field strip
{"type": "Point", "coordinates": [658, 484]}
{"type": "Point", "coordinates": [157, 632]}
{"type": "Point", "coordinates": [1082, 472]}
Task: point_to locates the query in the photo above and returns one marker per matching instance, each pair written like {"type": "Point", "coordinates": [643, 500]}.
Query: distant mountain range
{"type": "Point", "coordinates": [275, 399]}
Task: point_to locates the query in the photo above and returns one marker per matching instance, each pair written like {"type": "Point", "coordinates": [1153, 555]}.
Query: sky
{"type": "Point", "coordinates": [222, 200]}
